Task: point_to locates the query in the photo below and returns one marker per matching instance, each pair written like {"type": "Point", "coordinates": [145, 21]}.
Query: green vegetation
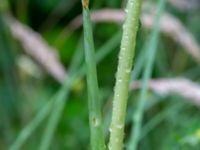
{"type": "Point", "coordinates": [126, 55]}
{"type": "Point", "coordinates": [96, 124]}
{"type": "Point", "coordinates": [71, 78]}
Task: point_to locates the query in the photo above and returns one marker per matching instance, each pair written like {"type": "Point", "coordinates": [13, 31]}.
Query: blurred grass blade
{"type": "Point", "coordinates": [77, 58]}
{"type": "Point", "coordinates": [95, 118]}
{"type": "Point", "coordinates": [139, 64]}
{"type": "Point", "coordinates": [174, 108]}
{"type": "Point", "coordinates": [150, 56]}
{"type": "Point", "coordinates": [108, 47]}
{"type": "Point", "coordinates": [57, 110]}
{"type": "Point", "coordinates": [62, 98]}
{"type": "Point", "coordinates": [29, 129]}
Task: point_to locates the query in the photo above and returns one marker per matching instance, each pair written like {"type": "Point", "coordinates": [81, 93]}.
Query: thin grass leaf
{"type": "Point", "coordinates": [108, 46]}
{"type": "Point", "coordinates": [77, 58]}
{"type": "Point", "coordinates": [95, 117]}
{"type": "Point", "coordinates": [58, 107]}
{"type": "Point", "coordinates": [139, 65]}
{"type": "Point", "coordinates": [151, 51]}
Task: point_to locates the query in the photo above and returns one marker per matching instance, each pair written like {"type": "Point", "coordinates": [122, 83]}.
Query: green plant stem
{"type": "Point", "coordinates": [95, 118]}
{"type": "Point", "coordinates": [151, 51]}
{"type": "Point", "coordinates": [126, 56]}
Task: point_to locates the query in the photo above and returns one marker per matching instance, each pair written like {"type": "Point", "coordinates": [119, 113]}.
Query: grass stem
{"type": "Point", "coordinates": [95, 118]}
{"type": "Point", "coordinates": [126, 56]}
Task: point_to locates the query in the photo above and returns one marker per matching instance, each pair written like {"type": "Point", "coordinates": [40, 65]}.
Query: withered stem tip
{"type": "Point", "coordinates": [85, 3]}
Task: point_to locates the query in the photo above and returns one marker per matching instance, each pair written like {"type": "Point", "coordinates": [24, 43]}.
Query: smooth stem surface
{"type": "Point", "coordinates": [126, 56]}
{"type": "Point", "coordinates": [151, 51]}
{"type": "Point", "coordinates": [95, 118]}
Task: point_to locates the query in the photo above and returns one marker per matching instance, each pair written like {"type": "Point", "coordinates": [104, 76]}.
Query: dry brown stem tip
{"type": "Point", "coordinates": [85, 3]}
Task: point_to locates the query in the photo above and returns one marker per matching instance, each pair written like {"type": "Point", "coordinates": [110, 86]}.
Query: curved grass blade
{"type": "Point", "coordinates": [150, 56]}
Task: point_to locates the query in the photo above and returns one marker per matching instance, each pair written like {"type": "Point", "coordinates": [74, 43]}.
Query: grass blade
{"type": "Point", "coordinates": [95, 118]}
{"type": "Point", "coordinates": [58, 105]}
{"type": "Point", "coordinates": [151, 51]}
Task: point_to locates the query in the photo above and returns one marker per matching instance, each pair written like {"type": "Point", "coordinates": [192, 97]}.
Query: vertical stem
{"type": "Point", "coordinates": [96, 128]}
{"type": "Point", "coordinates": [126, 56]}
{"type": "Point", "coordinates": [151, 51]}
